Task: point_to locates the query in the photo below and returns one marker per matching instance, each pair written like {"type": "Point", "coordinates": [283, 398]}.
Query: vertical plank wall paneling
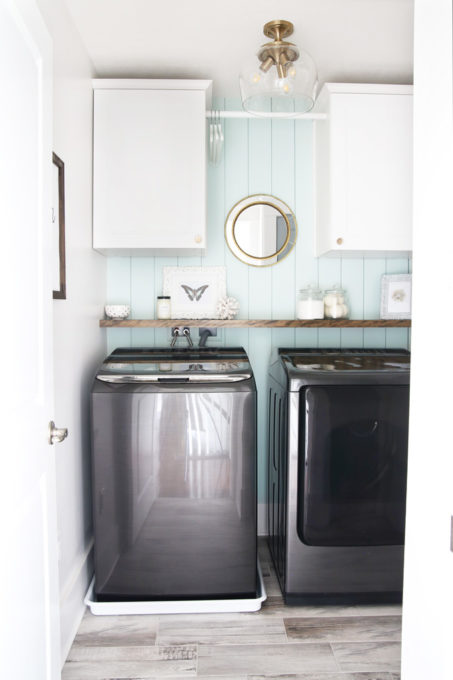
{"type": "Point", "coordinates": [119, 292]}
{"type": "Point", "coordinates": [271, 157]}
{"type": "Point", "coordinates": [260, 282]}
{"type": "Point", "coordinates": [142, 298]}
{"type": "Point", "coordinates": [283, 186]}
{"type": "Point", "coordinates": [372, 272]}
{"type": "Point", "coordinates": [306, 266]}
{"type": "Point", "coordinates": [236, 185]}
{"type": "Point", "coordinates": [352, 282]}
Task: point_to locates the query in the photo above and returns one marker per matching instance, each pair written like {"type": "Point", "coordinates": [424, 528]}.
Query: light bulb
{"type": "Point", "coordinates": [292, 71]}
{"type": "Point", "coordinates": [255, 78]}
{"type": "Point", "coordinates": [285, 85]}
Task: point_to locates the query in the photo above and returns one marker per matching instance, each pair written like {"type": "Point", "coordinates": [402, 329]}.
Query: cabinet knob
{"type": "Point", "coordinates": [198, 238]}
{"type": "Point", "coordinates": [340, 241]}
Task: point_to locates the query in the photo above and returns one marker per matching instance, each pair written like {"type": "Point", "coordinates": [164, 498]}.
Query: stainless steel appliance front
{"type": "Point", "coordinates": [174, 475]}
{"type": "Point", "coordinates": [337, 473]}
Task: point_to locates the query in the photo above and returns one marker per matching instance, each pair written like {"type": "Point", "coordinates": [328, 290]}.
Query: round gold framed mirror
{"type": "Point", "coordinates": [260, 230]}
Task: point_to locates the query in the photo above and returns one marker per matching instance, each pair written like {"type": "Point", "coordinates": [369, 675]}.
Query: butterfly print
{"type": "Point", "coordinates": [194, 293]}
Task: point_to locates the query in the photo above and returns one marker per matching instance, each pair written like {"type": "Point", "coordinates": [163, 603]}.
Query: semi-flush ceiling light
{"type": "Point", "coordinates": [282, 79]}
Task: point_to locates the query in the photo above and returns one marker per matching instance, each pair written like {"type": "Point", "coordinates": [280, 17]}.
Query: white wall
{"type": "Point", "coordinates": [428, 580]}
{"type": "Point", "coordinates": [79, 343]}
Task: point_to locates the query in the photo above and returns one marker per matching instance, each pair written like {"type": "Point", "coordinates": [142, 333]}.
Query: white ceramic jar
{"type": "Point", "coordinates": [163, 307]}
{"type": "Point", "coordinates": [310, 303]}
{"type": "Point", "coordinates": [117, 311]}
{"type": "Point", "coordinates": [335, 304]}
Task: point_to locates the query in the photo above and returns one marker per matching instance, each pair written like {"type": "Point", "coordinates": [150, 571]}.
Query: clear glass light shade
{"type": "Point", "coordinates": [264, 92]}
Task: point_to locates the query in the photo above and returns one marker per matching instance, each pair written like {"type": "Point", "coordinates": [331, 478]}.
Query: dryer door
{"type": "Point", "coordinates": [353, 465]}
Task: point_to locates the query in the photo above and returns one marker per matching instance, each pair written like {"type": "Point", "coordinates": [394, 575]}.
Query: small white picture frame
{"type": "Point", "coordinates": [396, 296]}
{"type": "Point", "coordinates": [194, 291]}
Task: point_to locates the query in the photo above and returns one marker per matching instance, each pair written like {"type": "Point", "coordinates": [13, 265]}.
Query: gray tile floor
{"type": "Point", "coordinates": [288, 643]}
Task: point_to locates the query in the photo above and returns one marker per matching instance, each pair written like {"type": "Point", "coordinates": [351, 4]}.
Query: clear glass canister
{"type": "Point", "coordinates": [310, 304]}
{"type": "Point", "coordinates": [163, 307]}
{"type": "Point", "coordinates": [336, 304]}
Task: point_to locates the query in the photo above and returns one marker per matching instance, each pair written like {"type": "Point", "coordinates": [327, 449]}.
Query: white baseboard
{"type": "Point", "coordinates": [72, 596]}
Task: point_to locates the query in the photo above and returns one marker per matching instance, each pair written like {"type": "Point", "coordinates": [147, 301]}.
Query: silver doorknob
{"type": "Point", "coordinates": [57, 434]}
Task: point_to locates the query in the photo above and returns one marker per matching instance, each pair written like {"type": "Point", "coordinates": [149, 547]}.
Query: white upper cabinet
{"type": "Point", "coordinates": [149, 186]}
{"type": "Point", "coordinates": [363, 170]}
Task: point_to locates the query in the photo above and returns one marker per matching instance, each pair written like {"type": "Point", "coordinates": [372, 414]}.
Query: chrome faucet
{"type": "Point", "coordinates": [178, 332]}
{"type": "Point", "coordinates": [175, 333]}
{"type": "Point", "coordinates": [186, 332]}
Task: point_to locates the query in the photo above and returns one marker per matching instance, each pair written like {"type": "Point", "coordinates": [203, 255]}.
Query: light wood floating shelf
{"type": "Point", "coordinates": [256, 323]}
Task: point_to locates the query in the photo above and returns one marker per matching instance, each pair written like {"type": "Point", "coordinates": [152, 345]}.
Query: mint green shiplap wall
{"type": "Point", "coordinates": [274, 157]}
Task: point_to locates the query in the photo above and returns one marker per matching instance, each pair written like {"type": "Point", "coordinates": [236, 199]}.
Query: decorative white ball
{"type": "Point", "coordinates": [335, 311]}
{"type": "Point", "coordinates": [227, 308]}
{"type": "Point", "coordinates": [330, 300]}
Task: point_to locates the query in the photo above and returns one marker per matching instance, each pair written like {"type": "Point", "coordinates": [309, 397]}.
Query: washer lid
{"type": "Point", "coordinates": [175, 366]}
{"type": "Point", "coordinates": [346, 360]}
{"type": "Point", "coordinates": [303, 367]}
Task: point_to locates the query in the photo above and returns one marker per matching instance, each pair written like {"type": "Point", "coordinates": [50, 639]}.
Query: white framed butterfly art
{"type": "Point", "coordinates": [194, 291]}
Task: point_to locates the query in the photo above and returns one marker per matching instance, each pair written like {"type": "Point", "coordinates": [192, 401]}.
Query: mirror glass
{"type": "Point", "coordinates": [260, 230]}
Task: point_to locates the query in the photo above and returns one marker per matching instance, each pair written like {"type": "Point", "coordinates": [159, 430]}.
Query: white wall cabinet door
{"type": "Point", "coordinates": [149, 192]}
{"type": "Point", "coordinates": [364, 170]}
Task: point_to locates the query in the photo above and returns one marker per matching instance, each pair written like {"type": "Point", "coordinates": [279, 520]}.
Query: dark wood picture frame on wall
{"type": "Point", "coordinates": [58, 231]}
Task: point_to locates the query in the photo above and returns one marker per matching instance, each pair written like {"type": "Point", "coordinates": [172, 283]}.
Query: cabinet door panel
{"type": "Point", "coordinates": [378, 171]}
{"type": "Point", "coordinates": [364, 171]}
{"type": "Point", "coordinates": [149, 169]}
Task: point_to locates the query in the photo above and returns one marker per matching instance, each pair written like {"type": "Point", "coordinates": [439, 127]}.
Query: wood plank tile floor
{"type": "Point", "coordinates": [280, 642]}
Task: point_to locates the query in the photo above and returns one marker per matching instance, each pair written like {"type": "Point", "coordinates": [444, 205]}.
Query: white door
{"type": "Point", "coordinates": [428, 576]}
{"type": "Point", "coordinates": [29, 636]}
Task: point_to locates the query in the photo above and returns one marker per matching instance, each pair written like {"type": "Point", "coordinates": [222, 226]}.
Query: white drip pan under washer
{"type": "Point", "coordinates": [177, 606]}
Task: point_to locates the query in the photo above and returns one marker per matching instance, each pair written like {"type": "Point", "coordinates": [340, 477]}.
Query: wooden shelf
{"type": "Point", "coordinates": [256, 323]}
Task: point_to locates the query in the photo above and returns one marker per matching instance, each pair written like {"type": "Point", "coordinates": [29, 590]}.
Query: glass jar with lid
{"type": "Point", "coordinates": [310, 304]}
{"type": "Point", "coordinates": [336, 303]}
{"type": "Point", "coordinates": [163, 307]}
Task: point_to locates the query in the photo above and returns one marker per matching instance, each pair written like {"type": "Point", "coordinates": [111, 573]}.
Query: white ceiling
{"type": "Point", "coordinates": [350, 40]}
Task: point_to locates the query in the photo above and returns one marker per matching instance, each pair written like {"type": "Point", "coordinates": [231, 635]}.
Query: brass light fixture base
{"type": "Point", "coordinates": [278, 53]}
{"type": "Point", "coordinates": [278, 29]}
